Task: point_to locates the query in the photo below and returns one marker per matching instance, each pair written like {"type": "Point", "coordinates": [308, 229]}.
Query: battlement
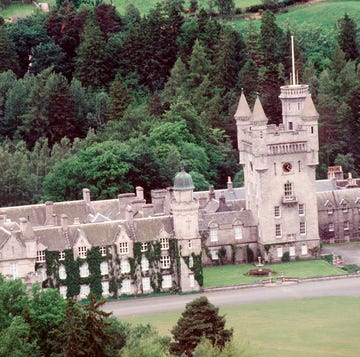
{"type": "Point", "coordinates": [294, 91]}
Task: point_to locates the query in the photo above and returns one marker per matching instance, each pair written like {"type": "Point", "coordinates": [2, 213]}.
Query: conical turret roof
{"type": "Point", "coordinates": [258, 115]}
{"type": "Point", "coordinates": [309, 110]}
{"type": "Point", "coordinates": [183, 181]}
{"type": "Point", "coordinates": [243, 111]}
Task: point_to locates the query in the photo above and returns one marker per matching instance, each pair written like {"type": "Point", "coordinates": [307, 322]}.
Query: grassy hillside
{"type": "Point", "coordinates": [306, 327]}
{"type": "Point", "coordinates": [324, 14]}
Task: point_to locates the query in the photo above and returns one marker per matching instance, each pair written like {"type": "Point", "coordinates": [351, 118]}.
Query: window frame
{"type": "Point", "coordinates": [40, 256]}
{"type": "Point", "coordinates": [277, 211]}
{"type": "Point", "coordinates": [278, 230]}
{"type": "Point", "coordinates": [82, 252]}
{"type": "Point", "coordinates": [164, 243]}
{"type": "Point", "coordinates": [123, 248]}
{"type": "Point", "coordinates": [165, 262]}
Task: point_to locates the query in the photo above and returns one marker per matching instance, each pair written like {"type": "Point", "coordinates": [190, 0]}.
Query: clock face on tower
{"type": "Point", "coordinates": [287, 167]}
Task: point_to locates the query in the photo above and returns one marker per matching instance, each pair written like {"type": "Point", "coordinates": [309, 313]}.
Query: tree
{"type": "Point", "coordinates": [47, 55]}
{"type": "Point", "coordinates": [91, 62]}
{"type": "Point", "coordinates": [225, 7]}
{"type": "Point", "coordinates": [119, 98]}
{"type": "Point", "coordinates": [200, 319]}
{"type": "Point", "coordinates": [8, 56]}
{"type": "Point", "coordinates": [347, 37]}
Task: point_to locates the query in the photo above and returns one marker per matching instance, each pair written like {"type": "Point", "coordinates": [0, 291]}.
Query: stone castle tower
{"type": "Point", "coordinates": [185, 211]}
{"type": "Point", "coordinates": [279, 170]}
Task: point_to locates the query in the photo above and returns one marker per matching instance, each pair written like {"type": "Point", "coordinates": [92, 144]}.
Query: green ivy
{"type": "Point", "coordinates": [234, 249]}
{"type": "Point", "coordinates": [137, 252]}
{"type": "Point", "coordinates": [52, 268]}
{"type": "Point", "coordinates": [94, 260]}
{"type": "Point", "coordinates": [197, 267]}
{"type": "Point", "coordinates": [72, 274]}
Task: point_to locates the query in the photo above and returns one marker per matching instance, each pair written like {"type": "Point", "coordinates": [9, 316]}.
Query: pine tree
{"type": "Point", "coordinates": [119, 99]}
{"type": "Point", "coordinates": [91, 62]}
{"type": "Point", "coordinates": [199, 320]}
{"type": "Point", "coordinates": [347, 37]}
{"type": "Point", "coordinates": [8, 56]}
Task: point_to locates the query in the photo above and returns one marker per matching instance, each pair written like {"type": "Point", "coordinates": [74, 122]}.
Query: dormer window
{"type": "Point", "coordinates": [344, 207]}
{"type": "Point", "coordinates": [102, 251]}
{"type": "Point", "coordinates": [82, 251]}
{"type": "Point", "coordinates": [164, 243]}
{"type": "Point", "coordinates": [123, 247]}
{"type": "Point", "coordinates": [62, 255]}
{"type": "Point", "coordinates": [40, 256]}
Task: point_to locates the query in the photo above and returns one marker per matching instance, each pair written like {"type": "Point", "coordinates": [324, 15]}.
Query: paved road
{"type": "Point", "coordinates": [349, 252]}
{"type": "Point", "coordinates": [142, 306]}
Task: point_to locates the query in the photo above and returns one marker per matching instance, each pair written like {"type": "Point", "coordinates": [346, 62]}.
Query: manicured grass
{"type": "Point", "coordinates": [317, 327]}
{"type": "Point", "coordinates": [234, 274]}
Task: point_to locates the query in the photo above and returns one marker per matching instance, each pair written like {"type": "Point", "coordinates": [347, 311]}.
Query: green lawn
{"type": "Point", "coordinates": [234, 274]}
{"type": "Point", "coordinates": [315, 327]}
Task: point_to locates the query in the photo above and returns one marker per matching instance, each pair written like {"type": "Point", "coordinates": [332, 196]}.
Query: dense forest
{"type": "Point", "coordinates": [91, 98]}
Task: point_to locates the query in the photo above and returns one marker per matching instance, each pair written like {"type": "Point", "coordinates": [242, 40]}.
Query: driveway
{"type": "Point", "coordinates": [349, 252]}
{"type": "Point", "coordinates": [152, 305]}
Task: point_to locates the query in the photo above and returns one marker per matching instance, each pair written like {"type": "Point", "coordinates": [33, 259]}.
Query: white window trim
{"type": "Point", "coordinates": [164, 243]}
{"type": "Point", "coordinates": [123, 248]}
{"type": "Point", "coordinates": [213, 235]}
{"type": "Point", "coordinates": [144, 247]}
{"type": "Point", "coordinates": [125, 267]}
{"type": "Point", "coordinates": [302, 228]}
{"type": "Point", "coordinates": [82, 252]}
{"type": "Point", "coordinates": [278, 232]}
{"type": "Point", "coordinates": [277, 211]}
{"type": "Point", "coordinates": [40, 256]}
{"type": "Point", "coordinates": [165, 262]}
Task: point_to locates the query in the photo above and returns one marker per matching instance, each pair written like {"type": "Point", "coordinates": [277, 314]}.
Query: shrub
{"type": "Point", "coordinates": [286, 257]}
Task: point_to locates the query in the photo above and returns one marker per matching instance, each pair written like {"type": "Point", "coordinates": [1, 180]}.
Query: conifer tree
{"type": "Point", "coordinates": [119, 99]}
{"type": "Point", "coordinates": [347, 37]}
{"type": "Point", "coordinates": [91, 62]}
{"type": "Point", "coordinates": [8, 56]}
{"type": "Point", "coordinates": [199, 320]}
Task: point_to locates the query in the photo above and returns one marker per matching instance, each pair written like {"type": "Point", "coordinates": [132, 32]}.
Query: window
{"type": "Point", "coordinates": [191, 261]}
{"type": "Point", "coordinates": [330, 210]}
{"type": "Point", "coordinates": [288, 190]}
{"type": "Point", "coordinates": [165, 262]}
{"type": "Point", "coordinates": [82, 251]}
{"type": "Point", "coordinates": [144, 247]}
{"type": "Point", "coordinates": [238, 233]}
{"type": "Point", "coordinates": [344, 207]}
{"type": "Point", "coordinates": [302, 228]}
{"type": "Point", "coordinates": [346, 226]}
{"type": "Point", "coordinates": [190, 244]}
{"type": "Point", "coordinates": [304, 249]}
{"type": "Point", "coordinates": [192, 280]}
{"type": "Point", "coordinates": [40, 256]}
{"type": "Point", "coordinates": [84, 291]}
{"type": "Point", "coordinates": [301, 209]}
{"type": "Point", "coordinates": [214, 255]}
{"type": "Point", "coordinates": [279, 252]}
{"type": "Point", "coordinates": [164, 243]}
{"type": "Point", "coordinates": [291, 236]}
{"type": "Point", "coordinates": [277, 230]}
{"type": "Point", "coordinates": [62, 272]}
{"type": "Point", "coordinates": [63, 291]}
{"type": "Point", "coordinates": [166, 282]}
{"type": "Point", "coordinates": [277, 212]}
{"type": "Point", "coordinates": [213, 235]}
{"type": "Point", "coordinates": [331, 227]}
{"type": "Point", "coordinates": [123, 247]}
{"type": "Point", "coordinates": [62, 255]}
{"type": "Point", "coordinates": [84, 270]}
{"type": "Point", "coordinates": [146, 284]}
{"type": "Point", "coordinates": [292, 251]}
{"type": "Point", "coordinates": [14, 270]}
{"type": "Point", "coordinates": [104, 268]}
{"type": "Point", "coordinates": [125, 266]}
{"type": "Point", "coordinates": [144, 264]}
{"type": "Point", "coordinates": [102, 251]}
{"type": "Point", "coordinates": [105, 287]}
{"type": "Point", "coordinates": [290, 125]}
{"type": "Point", "coordinates": [126, 286]}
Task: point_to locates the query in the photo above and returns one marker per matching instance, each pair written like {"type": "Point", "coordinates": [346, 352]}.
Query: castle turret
{"type": "Point", "coordinates": [185, 211]}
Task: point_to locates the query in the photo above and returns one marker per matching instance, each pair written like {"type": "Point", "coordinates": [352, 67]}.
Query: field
{"type": "Point", "coordinates": [316, 327]}
{"type": "Point", "coordinates": [16, 8]}
{"type": "Point", "coordinates": [324, 14]}
{"type": "Point", "coordinates": [234, 274]}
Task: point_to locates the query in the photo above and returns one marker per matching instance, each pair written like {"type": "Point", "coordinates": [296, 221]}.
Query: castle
{"type": "Point", "coordinates": [128, 246]}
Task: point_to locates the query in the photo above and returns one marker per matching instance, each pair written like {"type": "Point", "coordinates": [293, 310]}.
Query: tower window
{"type": "Point", "coordinates": [302, 228]}
{"type": "Point", "coordinates": [301, 209]}
{"type": "Point", "coordinates": [277, 212]}
{"type": "Point", "coordinates": [290, 124]}
{"type": "Point", "coordinates": [277, 230]}
{"type": "Point", "coordinates": [312, 130]}
{"type": "Point", "coordinates": [288, 190]}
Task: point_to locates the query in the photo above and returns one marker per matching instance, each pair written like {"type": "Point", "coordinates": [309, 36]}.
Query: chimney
{"type": "Point", "coordinates": [230, 184]}
{"type": "Point", "coordinates": [211, 193]}
{"type": "Point", "coordinates": [49, 211]}
{"type": "Point", "coordinates": [23, 222]}
{"type": "Point", "coordinates": [148, 210]}
{"type": "Point", "coordinates": [139, 193]}
{"type": "Point", "coordinates": [2, 217]}
{"type": "Point", "coordinates": [64, 222]}
{"type": "Point", "coordinates": [202, 201]}
{"type": "Point", "coordinates": [86, 196]}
